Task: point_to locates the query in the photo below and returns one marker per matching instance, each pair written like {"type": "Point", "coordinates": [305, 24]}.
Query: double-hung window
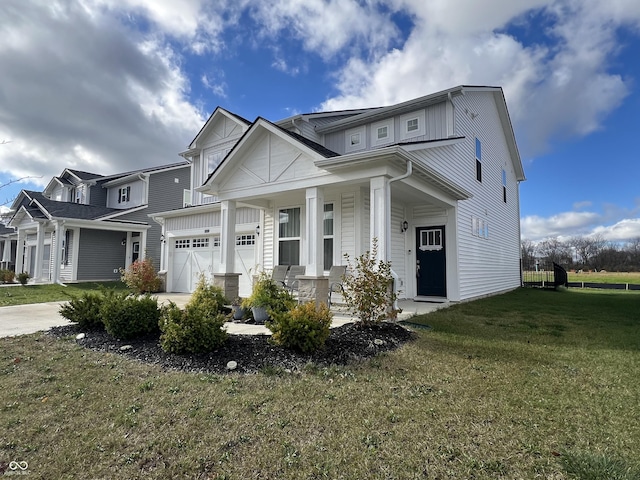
{"type": "Point", "coordinates": [289, 236]}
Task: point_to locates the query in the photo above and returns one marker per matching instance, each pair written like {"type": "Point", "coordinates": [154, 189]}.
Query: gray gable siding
{"type": "Point", "coordinates": [164, 195]}
{"type": "Point", "coordinates": [94, 266]}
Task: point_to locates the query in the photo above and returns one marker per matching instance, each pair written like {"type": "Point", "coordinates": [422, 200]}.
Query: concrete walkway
{"type": "Point", "coordinates": [25, 319]}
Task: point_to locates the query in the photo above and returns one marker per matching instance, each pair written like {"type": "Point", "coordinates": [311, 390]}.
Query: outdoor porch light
{"type": "Point", "coordinates": [258, 230]}
{"type": "Point", "coordinates": [404, 227]}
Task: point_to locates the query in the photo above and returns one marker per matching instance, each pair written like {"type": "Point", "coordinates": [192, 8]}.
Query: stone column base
{"type": "Point", "coordinates": [229, 282]}
{"type": "Point", "coordinates": [313, 289]}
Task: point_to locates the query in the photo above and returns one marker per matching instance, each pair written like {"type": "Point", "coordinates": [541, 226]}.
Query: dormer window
{"type": "Point", "coordinates": [383, 133]}
{"type": "Point", "coordinates": [124, 194]}
{"type": "Point", "coordinates": [413, 125]}
{"type": "Point", "coordinates": [354, 139]}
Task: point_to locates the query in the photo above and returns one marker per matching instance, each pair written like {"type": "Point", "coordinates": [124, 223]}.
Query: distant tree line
{"type": "Point", "coordinates": [583, 253]}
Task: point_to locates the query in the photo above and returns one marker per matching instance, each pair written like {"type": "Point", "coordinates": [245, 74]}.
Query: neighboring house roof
{"type": "Point", "coordinates": [83, 175]}
{"type": "Point", "coordinates": [53, 208]}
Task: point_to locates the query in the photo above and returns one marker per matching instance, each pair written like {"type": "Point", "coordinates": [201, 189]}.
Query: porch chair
{"type": "Point", "coordinates": [291, 283]}
{"type": "Point", "coordinates": [336, 274]}
{"type": "Point", "coordinates": [279, 274]}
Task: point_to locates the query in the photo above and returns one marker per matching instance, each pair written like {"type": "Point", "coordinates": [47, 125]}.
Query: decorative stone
{"type": "Point", "coordinates": [378, 341]}
{"type": "Point", "coordinates": [232, 365]}
{"type": "Point", "coordinates": [80, 336]}
{"type": "Point", "coordinates": [124, 348]}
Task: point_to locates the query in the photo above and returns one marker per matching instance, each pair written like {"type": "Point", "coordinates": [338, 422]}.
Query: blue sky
{"type": "Point", "coordinates": [114, 85]}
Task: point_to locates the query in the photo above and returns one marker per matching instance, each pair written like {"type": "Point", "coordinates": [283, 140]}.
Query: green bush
{"type": "Point", "coordinates": [368, 289]}
{"type": "Point", "coordinates": [304, 328]}
{"type": "Point", "coordinates": [207, 296]}
{"type": "Point", "coordinates": [7, 276]}
{"type": "Point", "coordinates": [126, 316]}
{"type": "Point", "coordinates": [192, 330]}
{"type": "Point", "coordinates": [84, 310]}
{"type": "Point", "coordinates": [141, 277]}
{"type": "Point", "coordinates": [269, 295]}
{"type": "Point", "coordinates": [23, 278]}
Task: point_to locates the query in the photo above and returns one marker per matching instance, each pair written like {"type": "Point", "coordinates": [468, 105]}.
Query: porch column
{"type": "Point", "coordinates": [57, 251]}
{"type": "Point", "coordinates": [315, 232]}
{"type": "Point", "coordinates": [380, 216]}
{"type": "Point", "coordinates": [20, 252]}
{"type": "Point", "coordinates": [37, 271]}
{"type": "Point", "coordinates": [6, 253]}
{"type": "Point", "coordinates": [226, 278]}
{"type": "Point", "coordinates": [143, 245]}
{"type": "Point", "coordinates": [227, 236]}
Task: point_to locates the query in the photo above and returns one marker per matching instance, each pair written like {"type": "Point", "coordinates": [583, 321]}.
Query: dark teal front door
{"type": "Point", "coordinates": [431, 264]}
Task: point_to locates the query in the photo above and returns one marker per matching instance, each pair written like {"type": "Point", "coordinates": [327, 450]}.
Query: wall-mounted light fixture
{"type": "Point", "coordinates": [162, 237]}
{"type": "Point", "coordinates": [124, 241]}
{"type": "Point", "coordinates": [258, 230]}
{"type": "Point", "coordinates": [404, 226]}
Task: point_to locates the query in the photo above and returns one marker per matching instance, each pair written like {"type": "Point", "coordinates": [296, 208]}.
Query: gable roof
{"type": "Point", "coordinates": [83, 175]}
{"type": "Point", "coordinates": [261, 122]}
{"type": "Point", "coordinates": [218, 111]}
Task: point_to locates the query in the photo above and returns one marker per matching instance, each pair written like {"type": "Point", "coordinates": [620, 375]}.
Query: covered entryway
{"type": "Point", "coordinates": [431, 265]}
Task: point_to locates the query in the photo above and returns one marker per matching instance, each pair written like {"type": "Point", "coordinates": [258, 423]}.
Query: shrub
{"type": "Point", "coordinates": [368, 291]}
{"type": "Point", "coordinates": [304, 328]}
{"type": "Point", "coordinates": [207, 296]}
{"type": "Point", "coordinates": [7, 276]}
{"type": "Point", "coordinates": [23, 278]}
{"type": "Point", "coordinates": [269, 295]}
{"type": "Point", "coordinates": [84, 310]}
{"type": "Point", "coordinates": [126, 316]}
{"type": "Point", "coordinates": [192, 330]}
{"type": "Point", "coordinates": [141, 277]}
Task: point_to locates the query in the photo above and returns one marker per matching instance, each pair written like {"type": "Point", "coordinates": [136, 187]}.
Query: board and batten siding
{"type": "Point", "coordinates": [486, 265]}
{"type": "Point", "coordinates": [435, 119]}
{"type": "Point", "coordinates": [106, 265]}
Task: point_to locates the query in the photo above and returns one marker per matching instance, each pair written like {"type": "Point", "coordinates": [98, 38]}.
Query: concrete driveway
{"type": "Point", "coordinates": [23, 319]}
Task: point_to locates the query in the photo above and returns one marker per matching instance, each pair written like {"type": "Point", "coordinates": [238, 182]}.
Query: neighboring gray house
{"type": "Point", "coordinates": [434, 179]}
{"type": "Point", "coordinates": [7, 247]}
{"type": "Point", "coordinates": [86, 226]}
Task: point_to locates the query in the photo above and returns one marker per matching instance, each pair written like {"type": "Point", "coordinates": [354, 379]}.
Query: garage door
{"type": "Point", "coordinates": [200, 255]}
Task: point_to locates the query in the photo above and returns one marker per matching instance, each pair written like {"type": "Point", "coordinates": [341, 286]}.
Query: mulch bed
{"type": "Point", "coordinates": [252, 353]}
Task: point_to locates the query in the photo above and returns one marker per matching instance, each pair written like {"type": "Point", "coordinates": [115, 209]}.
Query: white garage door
{"type": "Point", "coordinates": [200, 255]}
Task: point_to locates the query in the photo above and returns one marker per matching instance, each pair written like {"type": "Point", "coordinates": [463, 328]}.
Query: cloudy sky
{"type": "Point", "coordinates": [112, 85]}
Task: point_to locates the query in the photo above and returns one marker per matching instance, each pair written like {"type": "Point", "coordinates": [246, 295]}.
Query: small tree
{"type": "Point", "coordinates": [368, 288]}
{"type": "Point", "coordinates": [141, 277]}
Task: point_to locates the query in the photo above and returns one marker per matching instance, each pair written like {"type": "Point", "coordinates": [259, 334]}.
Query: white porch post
{"type": "Point", "coordinates": [57, 251]}
{"type": "Point", "coordinates": [380, 216]}
{"type": "Point", "coordinates": [227, 236]}
{"type": "Point", "coordinates": [315, 231]}
{"type": "Point", "coordinates": [6, 253]}
{"type": "Point", "coordinates": [20, 252]}
{"type": "Point", "coordinates": [143, 245]}
{"type": "Point", "coordinates": [37, 272]}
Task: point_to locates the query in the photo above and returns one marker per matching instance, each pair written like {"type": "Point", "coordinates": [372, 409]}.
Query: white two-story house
{"type": "Point", "coordinates": [85, 226]}
{"type": "Point", "coordinates": [435, 180]}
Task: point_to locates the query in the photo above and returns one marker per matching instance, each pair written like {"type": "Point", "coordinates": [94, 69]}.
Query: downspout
{"type": "Point", "coordinates": [388, 244]}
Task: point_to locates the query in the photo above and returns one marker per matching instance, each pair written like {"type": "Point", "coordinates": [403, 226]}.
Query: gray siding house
{"type": "Point", "coordinates": [85, 226]}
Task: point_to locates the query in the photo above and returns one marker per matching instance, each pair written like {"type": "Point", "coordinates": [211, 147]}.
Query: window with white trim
{"type": "Point", "coordinates": [124, 194]}
{"type": "Point", "coordinates": [479, 227]}
{"type": "Point", "coordinates": [200, 242]}
{"type": "Point", "coordinates": [354, 139]}
{"type": "Point", "coordinates": [504, 186]}
{"type": "Point", "coordinates": [382, 132]}
{"type": "Point", "coordinates": [478, 160]}
{"type": "Point", "coordinates": [412, 125]}
{"type": "Point", "coordinates": [183, 243]}
{"type": "Point", "coordinates": [431, 240]}
{"type": "Point", "coordinates": [289, 236]}
{"type": "Point", "coordinates": [327, 223]}
{"type": "Point", "coordinates": [246, 239]}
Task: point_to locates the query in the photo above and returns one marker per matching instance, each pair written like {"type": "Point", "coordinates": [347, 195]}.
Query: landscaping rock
{"type": "Point", "coordinates": [232, 365]}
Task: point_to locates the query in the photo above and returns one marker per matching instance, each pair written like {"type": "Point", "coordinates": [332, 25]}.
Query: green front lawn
{"type": "Point", "coordinates": [21, 295]}
{"type": "Point", "coordinates": [531, 384]}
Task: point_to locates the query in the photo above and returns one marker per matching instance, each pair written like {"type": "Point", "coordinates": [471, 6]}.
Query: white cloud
{"type": "Point", "coordinates": [622, 231]}
{"type": "Point", "coordinates": [564, 224]}
{"type": "Point", "coordinates": [116, 102]}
